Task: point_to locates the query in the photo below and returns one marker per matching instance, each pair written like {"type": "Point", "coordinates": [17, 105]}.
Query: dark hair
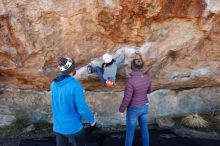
{"type": "Point", "coordinates": [137, 64]}
{"type": "Point", "coordinates": [108, 64]}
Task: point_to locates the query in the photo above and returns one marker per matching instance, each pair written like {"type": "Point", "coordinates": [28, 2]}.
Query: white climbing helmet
{"type": "Point", "coordinates": [107, 58]}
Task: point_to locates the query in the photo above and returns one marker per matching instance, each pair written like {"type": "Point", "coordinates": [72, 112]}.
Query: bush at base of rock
{"type": "Point", "coordinates": [194, 121]}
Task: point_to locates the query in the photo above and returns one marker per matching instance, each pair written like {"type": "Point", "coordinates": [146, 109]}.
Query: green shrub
{"type": "Point", "coordinates": [16, 127]}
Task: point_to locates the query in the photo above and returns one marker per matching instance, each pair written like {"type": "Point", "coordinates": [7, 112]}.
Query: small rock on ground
{"type": "Point", "coordinates": [165, 122]}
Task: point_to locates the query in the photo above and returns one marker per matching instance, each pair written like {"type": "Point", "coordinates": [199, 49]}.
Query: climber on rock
{"type": "Point", "coordinates": [107, 73]}
{"type": "Point", "coordinates": [136, 101]}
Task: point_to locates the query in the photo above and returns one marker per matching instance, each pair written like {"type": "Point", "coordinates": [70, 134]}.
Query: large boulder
{"type": "Point", "coordinates": [36, 106]}
{"type": "Point", "coordinates": [179, 39]}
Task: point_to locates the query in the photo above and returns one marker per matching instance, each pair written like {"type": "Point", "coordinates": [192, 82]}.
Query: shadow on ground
{"type": "Point", "coordinates": [157, 138]}
{"type": "Point", "coordinates": [96, 85]}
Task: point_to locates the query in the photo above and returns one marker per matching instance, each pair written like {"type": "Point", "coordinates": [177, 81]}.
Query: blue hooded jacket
{"type": "Point", "coordinates": [68, 105]}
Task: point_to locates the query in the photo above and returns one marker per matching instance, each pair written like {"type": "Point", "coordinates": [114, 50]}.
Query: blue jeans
{"type": "Point", "coordinates": [99, 72]}
{"type": "Point", "coordinates": [134, 114]}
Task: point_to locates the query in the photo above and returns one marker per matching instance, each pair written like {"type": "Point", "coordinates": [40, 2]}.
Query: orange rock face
{"type": "Point", "coordinates": [133, 19]}
{"type": "Point", "coordinates": [179, 39]}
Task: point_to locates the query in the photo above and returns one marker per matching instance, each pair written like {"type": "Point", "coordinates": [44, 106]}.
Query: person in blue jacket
{"type": "Point", "coordinates": [69, 106]}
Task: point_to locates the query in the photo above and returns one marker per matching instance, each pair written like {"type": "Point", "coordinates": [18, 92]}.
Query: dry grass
{"type": "Point", "coordinates": [194, 121]}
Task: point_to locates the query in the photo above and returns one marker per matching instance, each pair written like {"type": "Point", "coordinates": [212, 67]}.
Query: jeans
{"type": "Point", "coordinates": [77, 139]}
{"type": "Point", "coordinates": [99, 72]}
{"type": "Point", "coordinates": [134, 114]}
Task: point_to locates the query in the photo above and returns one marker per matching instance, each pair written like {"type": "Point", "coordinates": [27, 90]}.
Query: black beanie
{"type": "Point", "coordinates": [61, 61]}
{"type": "Point", "coordinates": [66, 65]}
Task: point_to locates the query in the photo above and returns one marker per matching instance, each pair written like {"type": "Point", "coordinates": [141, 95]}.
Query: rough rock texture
{"type": "Point", "coordinates": [179, 39]}
{"type": "Point", "coordinates": [35, 106]}
{"type": "Point", "coordinates": [6, 116]}
{"type": "Point", "coordinates": [165, 122]}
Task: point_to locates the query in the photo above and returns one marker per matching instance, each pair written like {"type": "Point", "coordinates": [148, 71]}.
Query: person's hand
{"type": "Point", "coordinates": [122, 115]}
{"type": "Point", "coordinates": [94, 123]}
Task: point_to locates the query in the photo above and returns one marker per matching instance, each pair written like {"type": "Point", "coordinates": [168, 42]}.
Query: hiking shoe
{"type": "Point", "coordinates": [89, 69]}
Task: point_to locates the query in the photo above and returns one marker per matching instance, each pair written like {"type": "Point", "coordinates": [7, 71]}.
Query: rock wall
{"type": "Point", "coordinates": [35, 106]}
{"type": "Point", "coordinates": [179, 41]}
